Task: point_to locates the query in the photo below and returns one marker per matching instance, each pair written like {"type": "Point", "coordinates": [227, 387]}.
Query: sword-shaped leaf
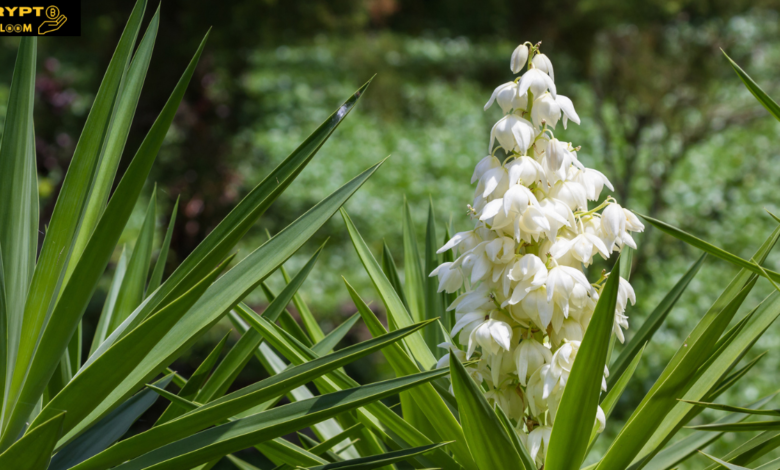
{"type": "Point", "coordinates": [377, 461]}
{"type": "Point", "coordinates": [231, 437]}
{"type": "Point", "coordinates": [487, 439]}
{"type": "Point", "coordinates": [108, 430]}
{"type": "Point", "coordinates": [228, 291]}
{"type": "Point", "coordinates": [28, 382]}
{"type": "Point", "coordinates": [33, 450]}
{"type": "Point", "coordinates": [333, 338]}
{"type": "Point", "coordinates": [236, 402]}
{"type": "Point", "coordinates": [756, 90]}
{"type": "Point", "coordinates": [577, 412]}
{"type": "Point", "coordinates": [19, 209]}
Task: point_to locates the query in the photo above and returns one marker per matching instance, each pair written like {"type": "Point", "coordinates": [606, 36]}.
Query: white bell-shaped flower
{"type": "Point", "coordinates": [450, 278]}
{"type": "Point", "coordinates": [537, 81]}
{"type": "Point", "coordinates": [593, 181]}
{"type": "Point", "coordinates": [473, 300]}
{"type": "Point", "coordinates": [560, 285]}
{"type": "Point", "coordinates": [530, 355]}
{"type": "Point", "coordinates": [519, 58]}
{"type": "Point", "coordinates": [517, 199]}
{"type": "Point", "coordinates": [507, 98]}
{"type": "Point", "coordinates": [601, 420]}
{"type": "Point", "coordinates": [501, 250]}
{"type": "Point", "coordinates": [475, 262]}
{"type": "Point", "coordinates": [613, 224]}
{"type": "Point", "coordinates": [537, 306]}
{"type": "Point", "coordinates": [526, 171]}
{"type": "Point", "coordinates": [568, 110]}
{"type": "Point", "coordinates": [558, 215]}
{"type": "Point", "coordinates": [542, 62]}
{"type": "Point", "coordinates": [571, 330]}
{"type": "Point", "coordinates": [546, 109]}
{"type": "Point", "coordinates": [467, 240]}
{"type": "Point", "coordinates": [620, 324]}
{"type": "Point", "coordinates": [571, 193]}
{"type": "Point", "coordinates": [558, 156]}
{"type": "Point", "coordinates": [488, 163]}
{"type": "Point", "coordinates": [625, 294]}
{"type": "Point", "coordinates": [513, 133]}
{"type": "Point", "coordinates": [560, 367]}
{"type": "Point", "coordinates": [535, 391]}
{"type": "Point", "coordinates": [466, 323]}
{"type": "Point", "coordinates": [532, 224]}
{"type": "Point", "coordinates": [493, 180]}
{"type": "Point", "coordinates": [510, 399]}
{"type": "Point", "coordinates": [490, 210]}
{"type": "Point", "coordinates": [582, 247]}
{"type": "Point", "coordinates": [538, 443]}
{"type": "Point", "coordinates": [530, 273]}
{"type": "Point", "coordinates": [632, 222]}
{"type": "Point", "coordinates": [492, 336]}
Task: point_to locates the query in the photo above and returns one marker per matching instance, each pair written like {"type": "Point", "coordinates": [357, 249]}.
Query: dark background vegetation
{"type": "Point", "coordinates": [664, 117]}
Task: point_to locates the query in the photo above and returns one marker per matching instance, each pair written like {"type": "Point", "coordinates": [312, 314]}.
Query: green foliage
{"type": "Point", "coordinates": [148, 320]}
{"type": "Point", "coordinates": [60, 413]}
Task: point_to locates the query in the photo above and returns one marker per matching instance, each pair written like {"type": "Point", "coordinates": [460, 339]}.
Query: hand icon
{"type": "Point", "coordinates": [49, 26]}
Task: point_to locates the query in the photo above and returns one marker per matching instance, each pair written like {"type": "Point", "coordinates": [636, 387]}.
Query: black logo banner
{"type": "Point", "coordinates": [35, 18]}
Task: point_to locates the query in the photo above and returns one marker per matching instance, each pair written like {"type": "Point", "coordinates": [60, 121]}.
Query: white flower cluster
{"type": "Point", "coordinates": [525, 301]}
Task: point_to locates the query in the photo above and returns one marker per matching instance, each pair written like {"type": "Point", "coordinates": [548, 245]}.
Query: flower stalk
{"type": "Point", "coordinates": [525, 301]}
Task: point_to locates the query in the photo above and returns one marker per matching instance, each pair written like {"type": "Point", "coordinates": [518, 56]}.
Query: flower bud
{"type": "Point", "coordinates": [558, 154]}
{"type": "Point", "coordinates": [519, 58]}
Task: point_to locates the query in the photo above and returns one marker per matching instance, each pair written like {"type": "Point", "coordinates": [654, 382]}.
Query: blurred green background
{"type": "Point", "coordinates": [663, 116]}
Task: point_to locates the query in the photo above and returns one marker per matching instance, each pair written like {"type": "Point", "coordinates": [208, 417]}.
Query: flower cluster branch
{"type": "Point", "coordinates": [526, 301]}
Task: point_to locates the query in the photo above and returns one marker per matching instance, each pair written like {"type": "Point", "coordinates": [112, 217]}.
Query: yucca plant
{"type": "Point", "coordinates": [468, 411]}
{"type": "Point", "coordinates": [59, 412]}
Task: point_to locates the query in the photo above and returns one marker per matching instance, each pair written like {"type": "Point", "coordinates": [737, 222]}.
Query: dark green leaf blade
{"type": "Point", "coordinates": [75, 296]}
{"type": "Point", "coordinates": [376, 461]}
{"type": "Point", "coordinates": [711, 249]}
{"type": "Point", "coordinates": [395, 308]}
{"type": "Point", "coordinates": [733, 409]}
{"type": "Point", "coordinates": [487, 439]}
{"type": "Point", "coordinates": [756, 90]}
{"type": "Point", "coordinates": [134, 282]}
{"type": "Point", "coordinates": [333, 338]}
{"type": "Point", "coordinates": [162, 257]}
{"type": "Point", "coordinates": [108, 430]}
{"type": "Point", "coordinates": [98, 379]}
{"type": "Point", "coordinates": [33, 451]}
{"type": "Point", "coordinates": [197, 379]}
{"type": "Point", "coordinates": [235, 225]}
{"type": "Point", "coordinates": [237, 435]}
{"type": "Point", "coordinates": [19, 209]}
{"type": "Point", "coordinates": [433, 300]}
{"type": "Point", "coordinates": [47, 278]}
{"type": "Point", "coordinates": [577, 412]}
{"type": "Point", "coordinates": [414, 280]}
